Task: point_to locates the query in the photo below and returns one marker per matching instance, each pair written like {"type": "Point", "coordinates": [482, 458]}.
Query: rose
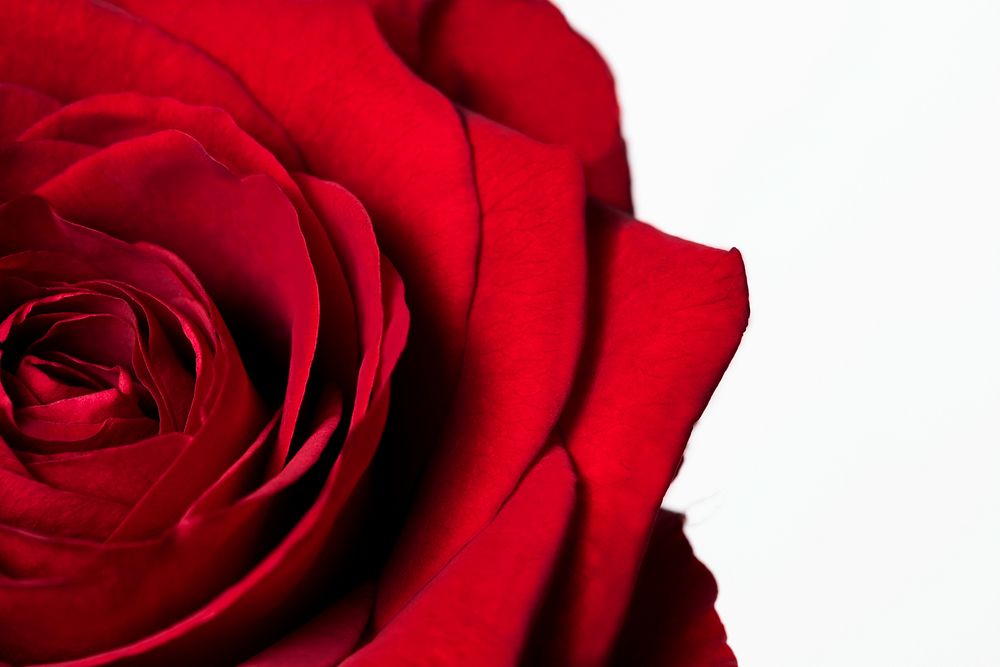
{"type": "Point", "coordinates": [201, 327]}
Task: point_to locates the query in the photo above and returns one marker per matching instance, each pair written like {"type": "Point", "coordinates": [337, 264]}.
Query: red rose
{"type": "Point", "coordinates": [209, 213]}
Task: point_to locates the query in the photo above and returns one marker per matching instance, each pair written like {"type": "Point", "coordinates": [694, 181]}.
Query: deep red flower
{"type": "Point", "coordinates": [209, 214]}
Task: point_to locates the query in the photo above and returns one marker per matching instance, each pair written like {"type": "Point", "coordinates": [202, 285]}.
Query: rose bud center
{"type": "Point", "coordinates": [75, 366]}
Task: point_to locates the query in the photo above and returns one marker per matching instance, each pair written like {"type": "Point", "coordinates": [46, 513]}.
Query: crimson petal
{"type": "Point", "coordinates": [43, 42]}
{"type": "Point", "coordinates": [20, 107]}
{"type": "Point", "coordinates": [521, 64]}
{"type": "Point", "coordinates": [464, 618]}
{"type": "Point", "coordinates": [667, 316]}
{"type": "Point", "coordinates": [525, 332]}
{"type": "Point", "coordinates": [671, 621]}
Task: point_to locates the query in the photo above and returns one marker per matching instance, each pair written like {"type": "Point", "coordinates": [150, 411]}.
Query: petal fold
{"type": "Point", "coordinates": [525, 333]}
{"type": "Point", "coordinates": [666, 318]}
{"type": "Point", "coordinates": [479, 608]}
{"type": "Point", "coordinates": [20, 107]}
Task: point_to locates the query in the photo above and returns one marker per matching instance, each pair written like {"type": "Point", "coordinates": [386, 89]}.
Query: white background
{"type": "Point", "coordinates": [844, 484]}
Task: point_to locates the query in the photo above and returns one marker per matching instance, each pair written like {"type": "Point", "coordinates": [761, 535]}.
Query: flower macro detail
{"type": "Point", "coordinates": [328, 336]}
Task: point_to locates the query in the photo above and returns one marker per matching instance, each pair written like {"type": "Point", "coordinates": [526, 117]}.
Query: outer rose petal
{"type": "Point", "coordinates": [44, 43]}
{"type": "Point", "coordinates": [521, 64]}
{"type": "Point", "coordinates": [325, 640]}
{"type": "Point", "coordinates": [36, 162]}
{"type": "Point", "coordinates": [525, 331]}
{"type": "Point", "coordinates": [667, 316]}
{"type": "Point", "coordinates": [672, 621]}
{"type": "Point", "coordinates": [20, 107]}
{"type": "Point", "coordinates": [478, 609]}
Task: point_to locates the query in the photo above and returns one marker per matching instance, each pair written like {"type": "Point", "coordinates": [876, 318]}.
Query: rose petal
{"type": "Point", "coordinates": [11, 462]}
{"type": "Point", "coordinates": [325, 640]}
{"type": "Point", "coordinates": [246, 474]}
{"type": "Point", "coordinates": [73, 597]}
{"type": "Point", "coordinates": [522, 65]}
{"type": "Point", "coordinates": [29, 505]}
{"type": "Point", "coordinates": [672, 619]}
{"type": "Point", "coordinates": [666, 317]}
{"type": "Point", "coordinates": [29, 164]}
{"type": "Point", "coordinates": [20, 107]}
{"type": "Point", "coordinates": [93, 408]}
{"type": "Point", "coordinates": [351, 231]}
{"type": "Point", "coordinates": [525, 331]}
{"type": "Point", "coordinates": [51, 380]}
{"type": "Point", "coordinates": [42, 44]}
{"type": "Point", "coordinates": [466, 617]}
{"type": "Point", "coordinates": [233, 620]}
{"type": "Point", "coordinates": [396, 324]}
{"type": "Point", "coordinates": [401, 22]}
{"type": "Point", "coordinates": [121, 474]}
{"type": "Point", "coordinates": [106, 339]}
{"type": "Point", "coordinates": [30, 557]}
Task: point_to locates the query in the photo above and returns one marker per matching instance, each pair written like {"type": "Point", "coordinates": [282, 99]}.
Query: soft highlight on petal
{"type": "Point", "coordinates": [521, 64]}
{"type": "Point", "coordinates": [525, 332]}
{"type": "Point", "coordinates": [666, 316]}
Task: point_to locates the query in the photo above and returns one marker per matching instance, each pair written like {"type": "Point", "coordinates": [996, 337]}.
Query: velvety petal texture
{"type": "Point", "coordinates": [666, 317]}
{"type": "Point", "coordinates": [463, 617]}
{"type": "Point", "coordinates": [521, 352]}
{"type": "Point", "coordinates": [521, 64]}
{"type": "Point", "coordinates": [327, 337]}
{"type": "Point", "coordinates": [671, 619]}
